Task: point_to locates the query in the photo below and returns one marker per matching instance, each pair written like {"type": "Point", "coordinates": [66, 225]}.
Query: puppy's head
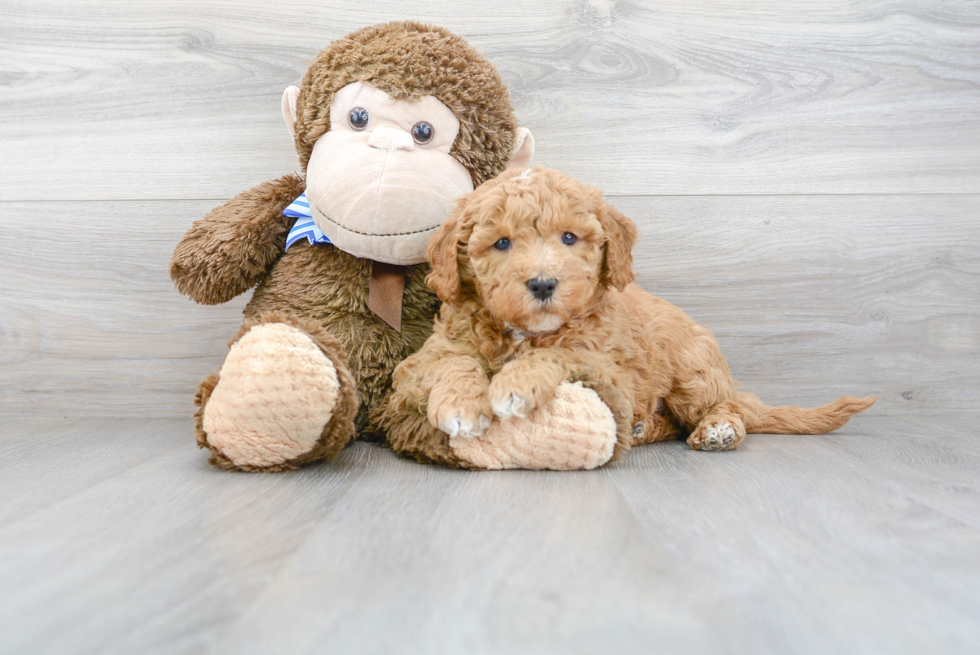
{"type": "Point", "coordinates": [534, 247]}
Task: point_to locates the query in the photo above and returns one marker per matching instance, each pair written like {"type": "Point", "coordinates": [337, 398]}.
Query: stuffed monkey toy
{"type": "Point", "coordinates": [391, 123]}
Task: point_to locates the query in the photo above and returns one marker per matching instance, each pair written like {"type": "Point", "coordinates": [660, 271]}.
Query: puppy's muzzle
{"type": "Point", "coordinates": [541, 288]}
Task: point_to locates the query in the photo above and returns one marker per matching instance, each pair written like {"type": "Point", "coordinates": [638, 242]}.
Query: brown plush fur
{"type": "Point", "coordinates": [319, 288]}
{"type": "Point", "coordinates": [234, 246]}
{"type": "Point", "coordinates": [498, 349]}
{"type": "Point", "coordinates": [330, 288]}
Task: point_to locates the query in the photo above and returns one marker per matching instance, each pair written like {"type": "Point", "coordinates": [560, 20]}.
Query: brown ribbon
{"type": "Point", "coordinates": [385, 292]}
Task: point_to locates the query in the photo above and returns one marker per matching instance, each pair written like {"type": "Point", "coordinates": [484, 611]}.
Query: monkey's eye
{"type": "Point", "coordinates": [358, 118]}
{"type": "Point", "coordinates": [423, 132]}
{"type": "Point", "coordinates": [502, 244]}
{"type": "Point", "coordinates": [569, 239]}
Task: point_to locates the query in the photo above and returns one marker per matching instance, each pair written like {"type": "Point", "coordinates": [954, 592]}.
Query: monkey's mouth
{"type": "Point", "coordinates": [320, 214]}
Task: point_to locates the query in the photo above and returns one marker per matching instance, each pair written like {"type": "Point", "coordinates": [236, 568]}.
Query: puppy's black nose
{"type": "Point", "coordinates": [542, 289]}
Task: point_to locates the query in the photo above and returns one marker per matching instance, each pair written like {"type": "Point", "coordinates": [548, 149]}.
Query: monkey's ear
{"type": "Point", "coordinates": [617, 267]}
{"type": "Point", "coordinates": [289, 97]}
{"type": "Point", "coordinates": [523, 148]}
{"type": "Point", "coordinates": [442, 254]}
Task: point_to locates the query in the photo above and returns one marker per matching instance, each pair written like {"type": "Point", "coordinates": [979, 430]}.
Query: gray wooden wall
{"type": "Point", "coordinates": [804, 175]}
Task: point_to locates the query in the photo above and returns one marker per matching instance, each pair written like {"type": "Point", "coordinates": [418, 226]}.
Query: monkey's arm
{"type": "Point", "coordinates": [233, 247]}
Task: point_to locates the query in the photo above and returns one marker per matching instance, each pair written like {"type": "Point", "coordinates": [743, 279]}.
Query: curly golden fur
{"type": "Point", "coordinates": [535, 273]}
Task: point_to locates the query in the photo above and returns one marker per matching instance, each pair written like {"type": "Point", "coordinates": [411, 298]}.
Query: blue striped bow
{"type": "Point", "coordinates": [304, 228]}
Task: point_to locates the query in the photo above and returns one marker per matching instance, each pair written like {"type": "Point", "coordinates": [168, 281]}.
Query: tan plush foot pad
{"type": "Point", "coordinates": [277, 391]}
{"type": "Point", "coordinates": [575, 430]}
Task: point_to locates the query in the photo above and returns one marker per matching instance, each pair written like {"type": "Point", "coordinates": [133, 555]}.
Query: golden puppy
{"type": "Point", "coordinates": [535, 273]}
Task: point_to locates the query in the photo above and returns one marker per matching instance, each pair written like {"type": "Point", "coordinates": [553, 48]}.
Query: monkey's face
{"type": "Point", "coordinates": [381, 181]}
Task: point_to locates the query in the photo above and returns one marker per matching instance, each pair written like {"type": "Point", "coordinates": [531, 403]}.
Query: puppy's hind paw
{"type": "Point", "coordinates": [717, 435]}
{"type": "Point", "coordinates": [511, 406]}
{"type": "Point", "coordinates": [720, 436]}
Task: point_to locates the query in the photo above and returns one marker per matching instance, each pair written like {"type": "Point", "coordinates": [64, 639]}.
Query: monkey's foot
{"type": "Point", "coordinates": [574, 430]}
{"type": "Point", "coordinates": [275, 402]}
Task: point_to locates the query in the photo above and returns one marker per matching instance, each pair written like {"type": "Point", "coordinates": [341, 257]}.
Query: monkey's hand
{"type": "Point", "coordinates": [232, 248]}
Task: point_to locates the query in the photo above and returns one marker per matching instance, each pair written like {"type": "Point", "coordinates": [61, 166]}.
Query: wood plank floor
{"type": "Point", "coordinates": [117, 537]}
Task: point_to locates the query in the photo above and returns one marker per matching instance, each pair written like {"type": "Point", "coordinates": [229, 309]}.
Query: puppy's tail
{"type": "Point", "coordinates": [760, 418]}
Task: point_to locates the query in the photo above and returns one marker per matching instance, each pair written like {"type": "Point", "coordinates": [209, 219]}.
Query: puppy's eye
{"type": "Point", "coordinates": [423, 132]}
{"type": "Point", "coordinates": [358, 118]}
{"type": "Point", "coordinates": [569, 239]}
{"type": "Point", "coordinates": [502, 244]}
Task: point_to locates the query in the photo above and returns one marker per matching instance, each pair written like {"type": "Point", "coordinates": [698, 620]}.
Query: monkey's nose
{"type": "Point", "coordinates": [541, 288]}
{"type": "Point", "coordinates": [389, 138]}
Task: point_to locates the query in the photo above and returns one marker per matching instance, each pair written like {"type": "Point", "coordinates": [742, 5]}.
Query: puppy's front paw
{"type": "Point", "coordinates": [509, 406]}
{"type": "Point", "coordinates": [516, 392]}
{"type": "Point", "coordinates": [460, 417]}
{"type": "Point", "coordinates": [458, 426]}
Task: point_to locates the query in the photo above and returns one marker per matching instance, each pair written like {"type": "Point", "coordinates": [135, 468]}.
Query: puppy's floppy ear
{"type": "Point", "coordinates": [442, 253]}
{"type": "Point", "coordinates": [617, 265]}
